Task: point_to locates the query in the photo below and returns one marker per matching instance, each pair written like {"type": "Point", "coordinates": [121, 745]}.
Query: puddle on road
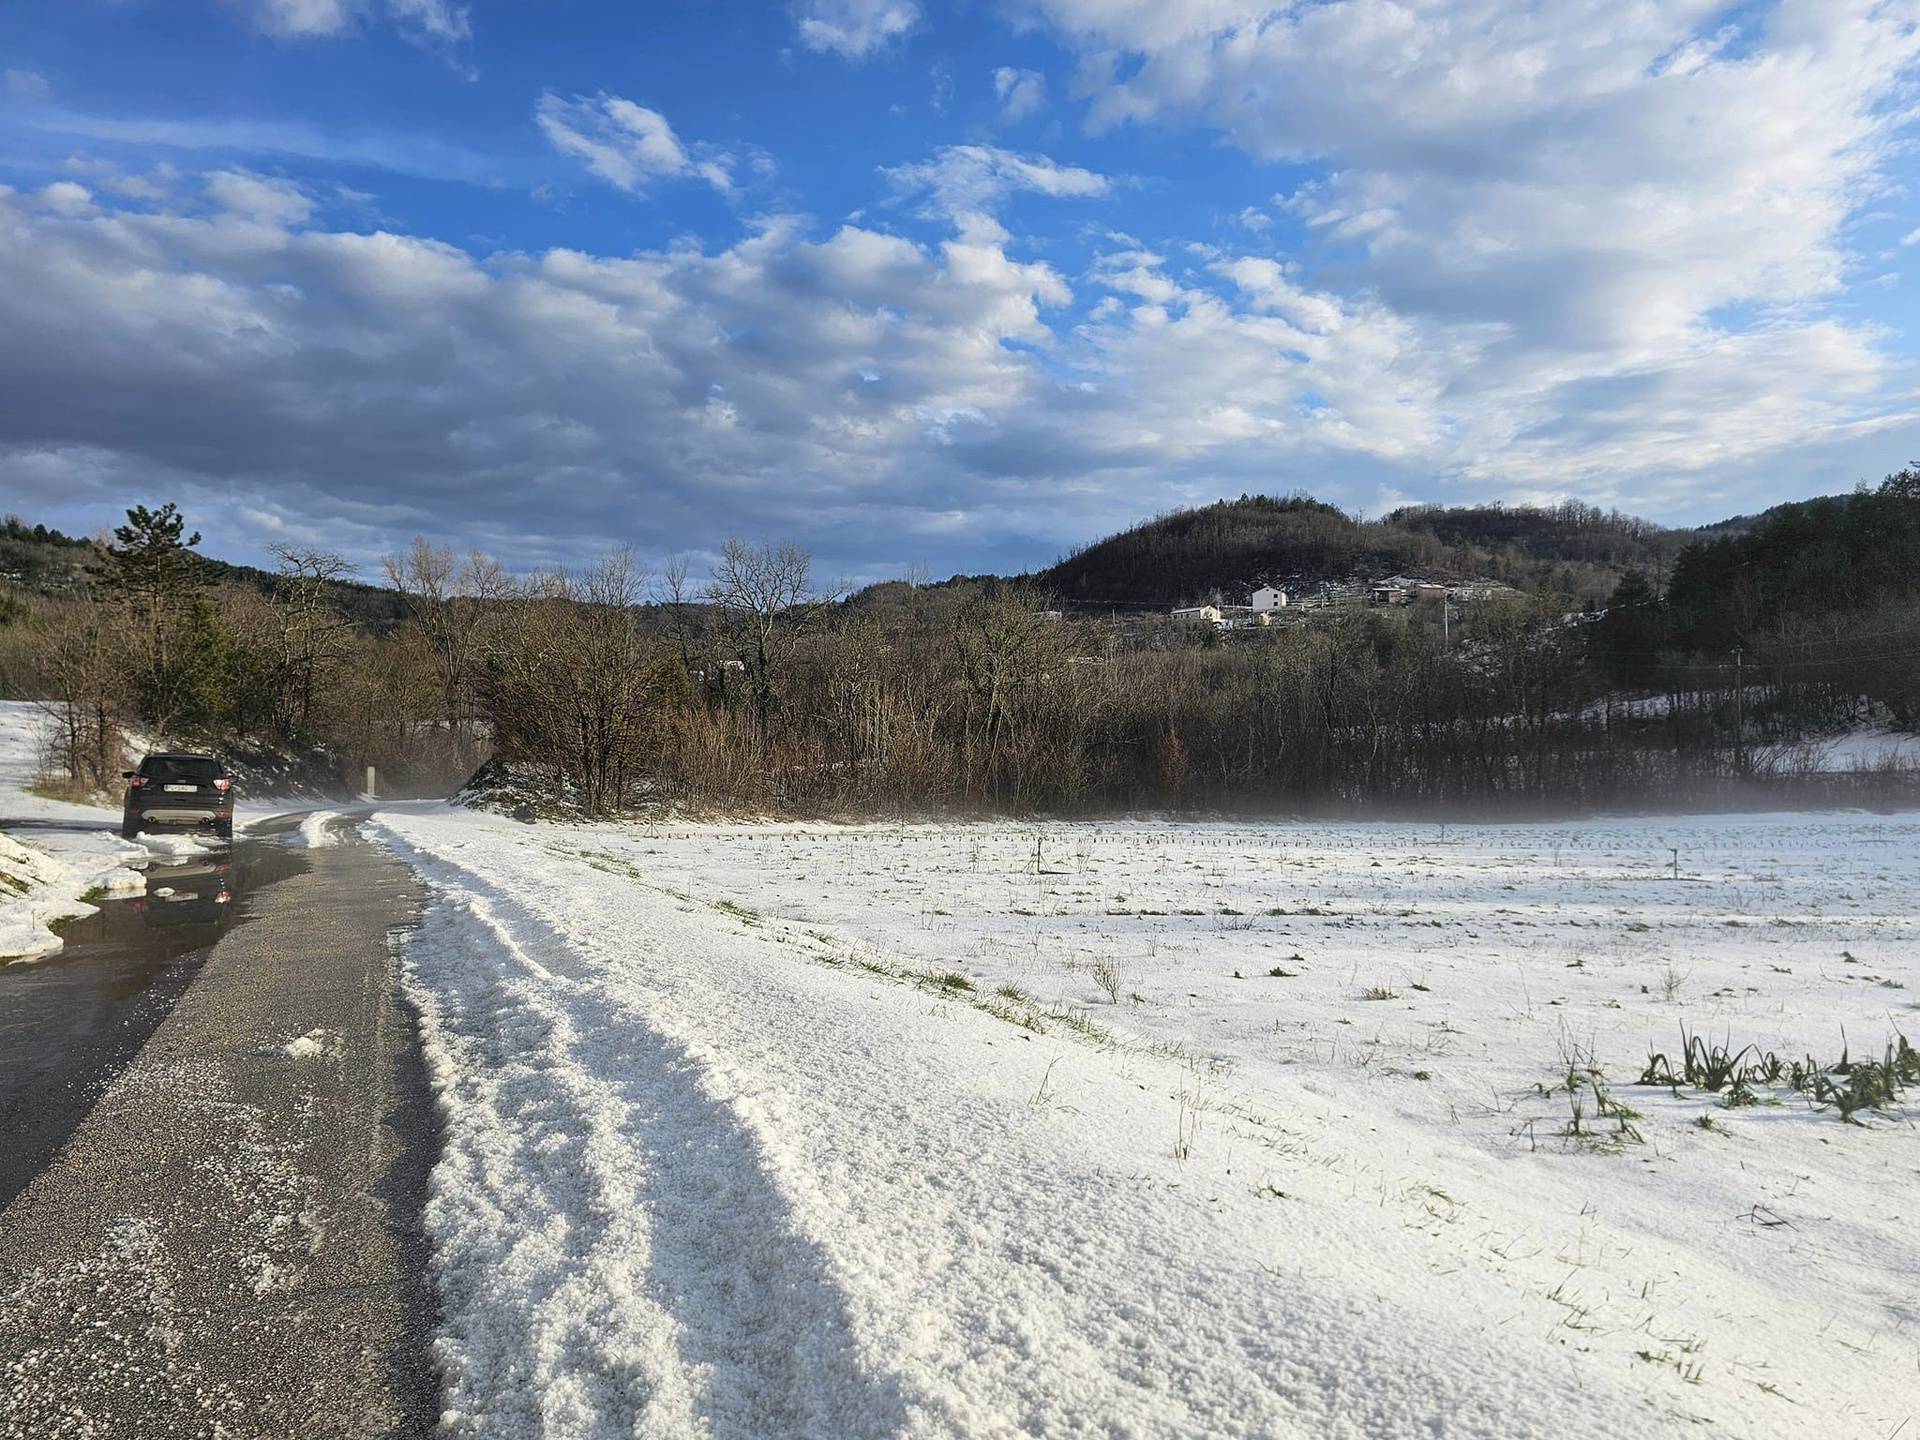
{"type": "Point", "coordinates": [70, 1023]}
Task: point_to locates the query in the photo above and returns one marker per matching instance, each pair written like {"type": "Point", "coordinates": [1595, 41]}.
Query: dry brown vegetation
{"type": "Point", "coordinates": [607, 688]}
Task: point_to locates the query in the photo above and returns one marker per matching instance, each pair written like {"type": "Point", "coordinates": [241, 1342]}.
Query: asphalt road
{"type": "Point", "coordinates": [70, 1023]}
{"type": "Point", "coordinates": [228, 1241]}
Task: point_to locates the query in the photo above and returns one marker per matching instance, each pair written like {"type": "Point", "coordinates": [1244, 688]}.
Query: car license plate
{"type": "Point", "coordinates": [182, 789]}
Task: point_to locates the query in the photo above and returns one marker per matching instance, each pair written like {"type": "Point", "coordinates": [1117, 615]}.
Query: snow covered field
{"type": "Point", "coordinates": [1155, 1130]}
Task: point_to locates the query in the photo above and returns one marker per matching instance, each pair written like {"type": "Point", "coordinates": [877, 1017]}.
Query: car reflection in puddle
{"type": "Point", "coordinates": [192, 894]}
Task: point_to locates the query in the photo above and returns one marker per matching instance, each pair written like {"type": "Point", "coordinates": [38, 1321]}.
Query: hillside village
{"type": "Point", "coordinates": [1270, 605]}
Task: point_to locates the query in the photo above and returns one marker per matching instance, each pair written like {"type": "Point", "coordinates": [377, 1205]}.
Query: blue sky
{"type": "Point", "coordinates": [940, 286]}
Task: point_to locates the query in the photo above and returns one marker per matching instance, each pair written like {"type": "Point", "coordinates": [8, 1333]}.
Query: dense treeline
{"type": "Point", "coordinates": [970, 699]}
{"type": "Point", "coordinates": [1232, 547]}
{"type": "Point", "coordinates": [140, 634]}
{"type": "Point", "coordinates": [1800, 564]}
{"type": "Point", "coordinates": [1526, 538]}
{"type": "Point", "coordinates": [607, 688]}
{"type": "Point", "coordinates": [1817, 601]}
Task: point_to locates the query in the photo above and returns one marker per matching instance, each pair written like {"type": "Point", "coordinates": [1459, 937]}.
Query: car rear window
{"type": "Point", "coordinates": [166, 769]}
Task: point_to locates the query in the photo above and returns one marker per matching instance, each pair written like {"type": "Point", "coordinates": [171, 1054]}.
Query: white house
{"type": "Point", "coordinates": [1266, 598]}
{"type": "Point", "coordinates": [1200, 615]}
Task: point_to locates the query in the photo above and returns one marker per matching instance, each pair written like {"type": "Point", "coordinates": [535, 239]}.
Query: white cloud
{"type": "Point", "coordinates": [854, 29]}
{"type": "Point", "coordinates": [963, 179]}
{"type": "Point", "coordinates": [152, 186]}
{"type": "Point", "coordinates": [1572, 202]}
{"type": "Point", "coordinates": [1020, 92]}
{"type": "Point", "coordinates": [628, 145]}
{"type": "Point", "coordinates": [258, 197]}
{"type": "Point", "coordinates": [442, 21]}
{"type": "Point", "coordinates": [300, 17]}
{"type": "Point", "coordinates": [841, 388]}
{"type": "Point", "coordinates": [28, 87]}
{"type": "Point", "coordinates": [360, 382]}
{"type": "Point", "coordinates": [404, 153]}
{"type": "Point", "coordinates": [66, 196]}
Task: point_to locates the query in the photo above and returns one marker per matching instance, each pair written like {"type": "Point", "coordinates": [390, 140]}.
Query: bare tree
{"type": "Point", "coordinates": [313, 637]}
{"type": "Point", "coordinates": [82, 664]}
{"type": "Point", "coordinates": [766, 604]}
{"type": "Point", "coordinates": [453, 603]}
{"type": "Point", "coordinates": [575, 686]}
{"type": "Point", "coordinates": [675, 597]}
{"type": "Point", "coordinates": [1003, 641]}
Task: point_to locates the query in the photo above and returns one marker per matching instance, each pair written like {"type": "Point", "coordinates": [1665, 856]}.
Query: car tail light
{"type": "Point", "coordinates": [138, 782]}
{"type": "Point", "coordinates": [222, 784]}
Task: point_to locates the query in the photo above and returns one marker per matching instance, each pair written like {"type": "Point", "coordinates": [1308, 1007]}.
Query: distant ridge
{"type": "Point", "coordinates": [1297, 542]}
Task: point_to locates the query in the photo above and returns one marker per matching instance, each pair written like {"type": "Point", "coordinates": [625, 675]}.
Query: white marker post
{"type": "Point", "coordinates": [371, 793]}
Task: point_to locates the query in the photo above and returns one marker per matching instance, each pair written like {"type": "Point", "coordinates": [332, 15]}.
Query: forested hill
{"type": "Point", "coordinates": [1801, 568]}
{"type": "Point", "coordinates": [1234, 546]}
{"type": "Point", "coordinates": [40, 560]}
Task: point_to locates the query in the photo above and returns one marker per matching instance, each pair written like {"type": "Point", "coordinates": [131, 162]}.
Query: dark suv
{"type": "Point", "coordinates": [179, 790]}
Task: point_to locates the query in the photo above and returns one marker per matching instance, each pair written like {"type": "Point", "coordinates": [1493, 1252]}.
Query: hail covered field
{"type": "Point", "coordinates": [1175, 1130]}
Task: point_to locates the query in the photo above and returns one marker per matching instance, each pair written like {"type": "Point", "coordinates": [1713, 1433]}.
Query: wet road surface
{"type": "Point", "coordinates": [69, 1023]}
{"type": "Point", "coordinates": [227, 1240]}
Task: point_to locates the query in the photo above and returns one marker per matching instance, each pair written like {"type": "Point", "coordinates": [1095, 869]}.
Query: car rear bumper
{"type": "Point", "coordinates": [181, 815]}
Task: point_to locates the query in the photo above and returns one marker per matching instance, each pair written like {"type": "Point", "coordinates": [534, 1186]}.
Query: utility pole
{"type": "Point", "coordinates": [1739, 709]}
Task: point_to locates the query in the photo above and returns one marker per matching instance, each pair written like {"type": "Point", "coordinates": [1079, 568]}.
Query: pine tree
{"type": "Point", "coordinates": [150, 568]}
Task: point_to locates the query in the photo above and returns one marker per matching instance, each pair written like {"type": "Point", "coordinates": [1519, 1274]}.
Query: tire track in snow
{"type": "Point", "coordinates": [612, 1252]}
{"type": "Point", "coordinates": [1022, 1270]}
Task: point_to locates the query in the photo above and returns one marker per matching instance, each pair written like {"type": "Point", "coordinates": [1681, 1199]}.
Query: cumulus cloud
{"type": "Point", "coordinates": [66, 196]}
{"type": "Point", "coordinates": [153, 185]}
{"type": "Point", "coordinates": [854, 29]}
{"type": "Point", "coordinates": [259, 197]}
{"type": "Point", "coordinates": [1590, 210]}
{"type": "Point", "coordinates": [964, 179]}
{"type": "Point", "coordinates": [628, 145]}
{"type": "Point", "coordinates": [833, 387]}
{"type": "Point", "coordinates": [1020, 92]}
{"type": "Point", "coordinates": [373, 385]}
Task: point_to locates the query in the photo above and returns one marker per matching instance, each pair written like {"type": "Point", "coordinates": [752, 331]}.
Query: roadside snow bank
{"type": "Point", "coordinates": [39, 887]}
{"type": "Point", "coordinates": [52, 853]}
{"type": "Point", "coordinates": [316, 832]}
{"type": "Point", "coordinates": [1157, 1130]}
